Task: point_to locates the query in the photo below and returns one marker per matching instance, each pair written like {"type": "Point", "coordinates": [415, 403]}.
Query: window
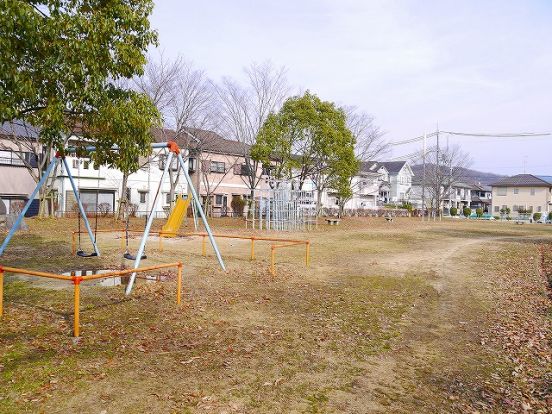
{"type": "Point", "coordinates": [76, 163]}
{"type": "Point", "coordinates": [218, 199]}
{"type": "Point", "coordinates": [217, 167]}
{"type": "Point", "coordinates": [142, 196]}
{"type": "Point", "coordinates": [129, 194]}
{"type": "Point", "coordinates": [17, 158]}
{"type": "Point", "coordinates": [168, 198]}
{"type": "Point", "coordinates": [532, 191]}
{"type": "Point", "coordinates": [496, 209]}
{"type": "Point", "coordinates": [516, 190]}
{"type": "Point", "coordinates": [86, 164]}
{"type": "Point", "coordinates": [530, 209]}
{"type": "Point", "coordinates": [539, 209]}
{"type": "Point", "coordinates": [96, 166]}
{"type": "Point", "coordinates": [501, 191]}
{"type": "Point", "coordinates": [515, 208]}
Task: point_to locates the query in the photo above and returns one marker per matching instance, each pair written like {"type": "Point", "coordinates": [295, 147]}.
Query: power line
{"type": "Point", "coordinates": [500, 135]}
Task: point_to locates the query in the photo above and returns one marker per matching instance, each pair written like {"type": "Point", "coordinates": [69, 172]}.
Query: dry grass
{"type": "Point", "coordinates": [388, 318]}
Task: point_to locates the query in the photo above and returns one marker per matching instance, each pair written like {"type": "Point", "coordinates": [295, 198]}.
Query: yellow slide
{"type": "Point", "coordinates": [171, 227]}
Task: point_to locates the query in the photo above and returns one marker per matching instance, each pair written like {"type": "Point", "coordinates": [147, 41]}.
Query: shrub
{"type": "Point", "coordinates": [537, 216]}
{"type": "Point", "coordinates": [238, 205]}
{"type": "Point", "coordinates": [407, 206]}
{"type": "Point", "coordinates": [496, 217]}
{"type": "Point", "coordinates": [453, 211]}
{"type": "Point", "coordinates": [466, 211]}
{"type": "Point", "coordinates": [550, 216]}
{"type": "Point", "coordinates": [479, 212]}
{"type": "Point", "coordinates": [104, 209]}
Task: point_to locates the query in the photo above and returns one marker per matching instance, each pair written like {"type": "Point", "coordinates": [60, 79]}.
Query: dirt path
{"type": "Point", "coordinates": [444, 330]}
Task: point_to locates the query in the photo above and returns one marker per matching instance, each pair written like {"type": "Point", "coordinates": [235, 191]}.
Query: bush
{"type": "Point", "coordinates": [479, 212]}
{"type": "Point", "coordinates": [466, 211]}
{"type": "Point", "coordinates": [537, 216]}
{"type": "Point", "coordinates": [407, 206]}
{"type": "Point", "coordinates": [453, 211]}
{"type": "Point", "coordinates": [238, 205]}
{"type": "Point", "coordinates": [496, 217]}
{"type": "Point", "coordinates": [550, 216]}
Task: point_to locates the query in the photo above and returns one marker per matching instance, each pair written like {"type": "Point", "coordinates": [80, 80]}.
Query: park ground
{"type": "Point", "coordinates": [398, 317]}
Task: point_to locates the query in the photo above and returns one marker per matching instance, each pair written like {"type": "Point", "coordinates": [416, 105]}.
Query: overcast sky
{"type": "Point", "coordinates": [483, 66]}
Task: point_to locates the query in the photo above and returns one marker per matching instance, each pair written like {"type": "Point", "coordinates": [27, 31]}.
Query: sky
{"type": "Point", "coordinates": [470, 66]}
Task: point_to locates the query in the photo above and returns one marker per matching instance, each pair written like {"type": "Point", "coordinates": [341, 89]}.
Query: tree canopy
{"type": "Point", "coordinates": [309, 136]}
{"type": "Point", "coordinates": [59, 67]}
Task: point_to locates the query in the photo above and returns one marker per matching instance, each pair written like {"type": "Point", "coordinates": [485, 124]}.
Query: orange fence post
{"type": "Point", "coordinates": [204, 247]}
{"type": "Point", "coordinates": [252, 248]}
{"type": "Point", "coordinates": [179, 283]}
{"type": "Point", "coordinates": [76, 320]}
{"type": "Point", "coordinates": [307, 253]}
{"type": "Point", "coordinates": [272, 258]}
{"type": "Point", "coordinates": [1, 291]}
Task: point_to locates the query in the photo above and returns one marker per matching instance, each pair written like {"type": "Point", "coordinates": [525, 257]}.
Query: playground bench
{"type": "Point", "coordinates": [332, 221]}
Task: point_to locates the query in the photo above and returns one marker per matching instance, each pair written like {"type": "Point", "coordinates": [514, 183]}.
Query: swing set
{"type": "Point", "coordinates": [173, 151]}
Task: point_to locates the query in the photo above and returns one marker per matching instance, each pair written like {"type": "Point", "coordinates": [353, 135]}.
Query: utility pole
{"type": "Point", "coordinates": [438, 192]}
{"type": "Point", "coordinates": [424, 176]}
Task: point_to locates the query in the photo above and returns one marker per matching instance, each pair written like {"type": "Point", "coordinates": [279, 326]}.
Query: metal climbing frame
{"type": "Point", "coordinates": [284, 209]}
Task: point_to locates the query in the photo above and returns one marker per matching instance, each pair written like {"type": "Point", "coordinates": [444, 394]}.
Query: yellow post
{"type": "Point", "coordinates": [272, 258]}
{"type": "Point", "coordinates": [1, 292]}
{"type": "Point", "coordinates": [307, 254]}
{"type": "Point", "coordinates": [252, 248]}
{"type": "Point", "coordinates": [179, 284]}
{"type": "Point", "coordinates": [204, 247]}
{"type": "Point", "coordinates": [76, 321]}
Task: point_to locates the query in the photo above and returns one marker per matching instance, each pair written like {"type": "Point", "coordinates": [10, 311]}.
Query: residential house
{"type": "Point", "coordinates": [458, 195]}
{"type": "Point", "coordinates": [370, 188]}
{"type": "Point", "coordinates": [481, 196]}
{"type": "Point", "coordinates": [526, 192]}
{"type": "Point", "coordinates": [400, 180]}
{"type": "Point", "coordinates": [217, 167]}
{"type": "Point", "coordinates": [16, 183]}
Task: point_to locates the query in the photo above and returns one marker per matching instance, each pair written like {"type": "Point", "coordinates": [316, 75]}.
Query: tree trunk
{"type": "Point", "coordinates": [318, 202]}
{"type": "Point", "coordinates": [123, 198]}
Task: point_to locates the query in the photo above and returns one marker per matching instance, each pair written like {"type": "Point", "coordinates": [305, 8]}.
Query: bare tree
{"type": "Point", "coordinates": [244, 109]}
{"type": "Point", "coordinates": [369, 146]}
{"type": "Point", "coordinates": [21, 140]}
{"type": "Point", "coordinates": [185, 97]}
{"type": "Point", "coordinates": [445, 168]}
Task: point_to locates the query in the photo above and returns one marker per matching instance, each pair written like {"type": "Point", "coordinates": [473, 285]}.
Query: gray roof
{"type": "Point", "coordinates": [393, 166]}
{"type": "Point", "coordinates": [524, 180]}
{"type": "Point", "coordinates": [18, 128]}
{"type": "Point", "coordinates": [370, 166]}
{"type": "Point", "coordinates": [209, 141]}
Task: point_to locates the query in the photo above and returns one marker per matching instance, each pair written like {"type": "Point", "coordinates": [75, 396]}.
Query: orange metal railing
{"type": "Point", "coordinates": [76, 280]}
{"type": "Point", "coordinates": [282, 243]}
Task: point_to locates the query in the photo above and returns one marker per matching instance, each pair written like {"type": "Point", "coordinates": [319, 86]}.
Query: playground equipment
{"type": "Point", "coordinates": [282, 208]}
{"type": "Point", "coordinates": [173, 151]}
{"type": "Point", "coordinates": [76, 280]}
{"type": "Point", "coordinates": [171, 227]}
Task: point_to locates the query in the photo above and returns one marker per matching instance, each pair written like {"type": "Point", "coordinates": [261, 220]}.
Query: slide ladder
{"type": "Point", "coordinates": [171, 227]}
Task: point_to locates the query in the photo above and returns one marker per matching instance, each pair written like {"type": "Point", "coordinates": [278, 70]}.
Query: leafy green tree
{"type": "Point", "coordinates": [479, 212]}
{"type": "Point", "coordinates": [60, 65]}
{"type": "Point", "coordinates": [466, 211]}
{"type": "Point", "coordinates": [453, 211]}
{"type": "Point", "coordinates": [308, 139]}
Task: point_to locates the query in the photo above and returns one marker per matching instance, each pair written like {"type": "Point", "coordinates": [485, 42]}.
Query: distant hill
{"type": "Point", "coordinates": [471, 176]}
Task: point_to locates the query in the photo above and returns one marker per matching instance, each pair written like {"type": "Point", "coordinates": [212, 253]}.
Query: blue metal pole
{"type": "Point", "coordinates": [81, 208]}
{"type": "Point", "coordinates": [148, 227]}
{"type": "Point", "coordinates": [200, 210]}
{"type": "Point", "coordinates": [24, 211]}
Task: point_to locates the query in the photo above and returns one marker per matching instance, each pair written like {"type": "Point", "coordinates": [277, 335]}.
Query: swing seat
{"type": "Point", "coordinates": [128, 256]}
{"type": "Point", "coordinates": [81, 253]}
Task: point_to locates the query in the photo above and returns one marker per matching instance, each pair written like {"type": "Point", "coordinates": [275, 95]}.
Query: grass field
{"type": "Point", "coordinates": [399, 317]}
